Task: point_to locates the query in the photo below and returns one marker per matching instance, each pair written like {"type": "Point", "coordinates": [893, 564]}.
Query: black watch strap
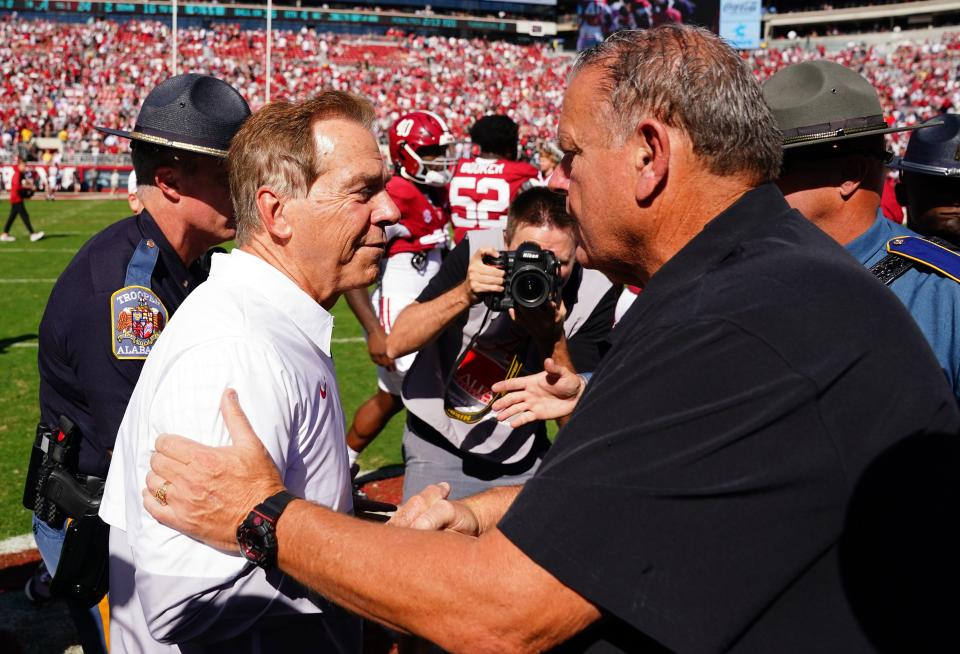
{"type": "Point", "coordinates": [257, 534]}
{"type": "Point", "coordinates": [273, 506]}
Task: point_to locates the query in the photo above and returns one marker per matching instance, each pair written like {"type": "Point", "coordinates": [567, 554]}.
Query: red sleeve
{"type": "Point", "coordinates": [15, 187]}
{"type": "Point", "coordinates": [417, 214]}
{"type": "Point", "coordinates": [399, 191]}
{"type": "Point", "coordinates": [520, 174]}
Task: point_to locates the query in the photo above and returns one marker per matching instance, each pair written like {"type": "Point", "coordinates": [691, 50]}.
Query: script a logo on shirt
{"type": "Point", "coordinates": [473, 379]}
{"type": "Point", "coordinates": [138, 316]}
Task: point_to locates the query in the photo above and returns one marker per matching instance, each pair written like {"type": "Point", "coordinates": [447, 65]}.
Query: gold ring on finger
{"type": "Point", "coordinates": [161, 494]}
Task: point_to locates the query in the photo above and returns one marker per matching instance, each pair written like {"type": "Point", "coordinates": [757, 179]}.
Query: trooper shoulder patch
{"type": "Point", "coordinates": [137, 318]}
{"type": "Point", "coordinates": [928, 254]}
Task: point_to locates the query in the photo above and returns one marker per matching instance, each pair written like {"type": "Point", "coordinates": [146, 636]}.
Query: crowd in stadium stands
{"type": "Point", "coordinates": [61, 79]}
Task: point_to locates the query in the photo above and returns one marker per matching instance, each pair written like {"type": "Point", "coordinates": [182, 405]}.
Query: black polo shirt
{"type": "Point", "coordinates": [699, 492]}
{"type": "Point", "coordinates": [79, 375]}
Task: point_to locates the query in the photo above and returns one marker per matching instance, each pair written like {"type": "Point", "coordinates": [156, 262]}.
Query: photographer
{"type": "Point", "coordinates": [467, 344]}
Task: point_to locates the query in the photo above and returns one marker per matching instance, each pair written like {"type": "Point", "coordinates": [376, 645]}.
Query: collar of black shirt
{"type": "Point", "coordinates": [752, 214]}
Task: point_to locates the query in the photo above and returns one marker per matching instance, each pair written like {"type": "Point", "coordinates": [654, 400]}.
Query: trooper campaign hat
{"type": "Point", "coordinates": [819, 102]}
{"type": "Point", "coordinates": [191, 112]}
{"type": "Point", "coordinates": [934, 151]}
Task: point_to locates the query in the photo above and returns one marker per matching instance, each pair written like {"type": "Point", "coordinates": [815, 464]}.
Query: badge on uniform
{"type": "Point", "coordinates": [138, 316]}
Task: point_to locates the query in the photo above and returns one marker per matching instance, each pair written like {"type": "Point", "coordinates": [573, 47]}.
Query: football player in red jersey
{"type": "Point", "coordinates": [421, 151]}
{"type": "Point", "coordinates": [483, 188]}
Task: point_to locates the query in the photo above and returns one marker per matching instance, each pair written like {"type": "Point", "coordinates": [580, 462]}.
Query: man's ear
{"type": "Point", "coordinates": [853, 173]}
{"type": "Point", "coordinates": [271, 209]}
{"type": "Point", "coordinates": [167, 179]}
{"type": "Point", "coordinates": [652, 158]}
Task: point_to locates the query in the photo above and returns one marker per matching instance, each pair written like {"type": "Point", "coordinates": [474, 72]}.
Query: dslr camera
{"type": "Point", "coordinates": [531, 278]}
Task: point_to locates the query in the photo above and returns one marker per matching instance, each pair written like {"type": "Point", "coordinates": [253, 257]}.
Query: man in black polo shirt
{"type": "Point", "coordinates": [701, 496]}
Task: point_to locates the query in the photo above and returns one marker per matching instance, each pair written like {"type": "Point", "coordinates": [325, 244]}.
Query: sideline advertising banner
{"type": "Point", "coordinates": [740, 23]}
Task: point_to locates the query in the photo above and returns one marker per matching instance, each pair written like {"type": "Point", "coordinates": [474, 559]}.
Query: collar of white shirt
{"type": "Point", "coordinates": [279, 290]}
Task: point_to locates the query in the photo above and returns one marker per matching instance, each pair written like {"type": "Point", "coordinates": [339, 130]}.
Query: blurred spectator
{"type": "Point", "coordinates": [549, 156]}
{"type": "Point", "coordinates": [21, 188]}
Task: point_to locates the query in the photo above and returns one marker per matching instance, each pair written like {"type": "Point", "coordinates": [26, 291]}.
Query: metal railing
{"type": "Point", "coordinates": [83, 159]}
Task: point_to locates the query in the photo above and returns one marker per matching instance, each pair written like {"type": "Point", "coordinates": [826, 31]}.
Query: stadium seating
{"type": "Point", "coordinates": [60, 79]}
{"type": "Point", "coordinates": [64, 78]}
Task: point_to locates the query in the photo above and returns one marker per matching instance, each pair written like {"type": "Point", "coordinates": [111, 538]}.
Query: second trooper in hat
{"type": "Point", "coordinates": [929, 184]}
{"type": "Point", "coordinates": [114, 299]}
{"type": "Point", "coordinates": [833, 172]}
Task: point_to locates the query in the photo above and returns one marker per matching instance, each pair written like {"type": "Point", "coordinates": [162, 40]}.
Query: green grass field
{"type": "Point", "coordinates": [27, 273]}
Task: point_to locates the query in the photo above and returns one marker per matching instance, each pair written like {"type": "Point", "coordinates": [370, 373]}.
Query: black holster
{"type": "Point", "coordinates": [82, 570]}
{"type": "Point", "coordinates": [55, 492]}
{"type": "Point", "coordinates": [55, 454]}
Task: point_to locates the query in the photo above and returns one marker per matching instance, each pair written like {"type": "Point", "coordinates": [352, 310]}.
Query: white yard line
{"type": "Point", "coordinates": [38, 250]}
{"type": "Point", "coordinates": [51, 230]}
{"type": "Point", "coordinates": [349, 339]}
{"type": "Point", "coordinates": [17, 544]}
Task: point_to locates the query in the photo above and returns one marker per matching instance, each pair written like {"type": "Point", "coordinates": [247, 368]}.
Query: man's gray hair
{"type": "Point", "coordinates": [690, 79]}
{"type": "Point", "coordinates": [276, 148]}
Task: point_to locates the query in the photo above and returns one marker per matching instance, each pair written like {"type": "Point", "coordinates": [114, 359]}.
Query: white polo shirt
{"type": "Point", "coordinates": [251, 328]}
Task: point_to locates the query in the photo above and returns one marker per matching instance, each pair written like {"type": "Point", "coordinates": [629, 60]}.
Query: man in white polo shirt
{"type": "Point", "coordinates": [308, 186]}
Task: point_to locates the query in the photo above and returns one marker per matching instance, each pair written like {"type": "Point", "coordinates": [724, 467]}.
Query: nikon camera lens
{"type": "Point", "coordinates": [535, 276]}
{"type": "Point", "coordinates": [530, 288]}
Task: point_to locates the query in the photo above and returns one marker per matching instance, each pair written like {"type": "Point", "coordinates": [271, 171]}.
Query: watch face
{"type": "Point", "coordinates": [257, 540]}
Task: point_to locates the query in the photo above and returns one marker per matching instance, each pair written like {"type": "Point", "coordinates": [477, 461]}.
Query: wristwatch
{"type": "Point", "coordinates": [257, 534]}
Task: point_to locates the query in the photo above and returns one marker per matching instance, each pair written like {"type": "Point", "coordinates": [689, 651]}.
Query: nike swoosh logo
{"type": "Point", "coordinates": [323, 390]}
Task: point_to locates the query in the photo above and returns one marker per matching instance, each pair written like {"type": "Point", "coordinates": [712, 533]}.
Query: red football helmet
{"type": "Point", "coordinates": [421, 148]}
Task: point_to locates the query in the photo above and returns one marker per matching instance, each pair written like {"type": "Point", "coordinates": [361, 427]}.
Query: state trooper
{"type": "Point", "coordinates": [929, 185]}
{"type": "Point", "coordinates": [833, 172]}
{"type": "Point", "coordinates": [106, 312]}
